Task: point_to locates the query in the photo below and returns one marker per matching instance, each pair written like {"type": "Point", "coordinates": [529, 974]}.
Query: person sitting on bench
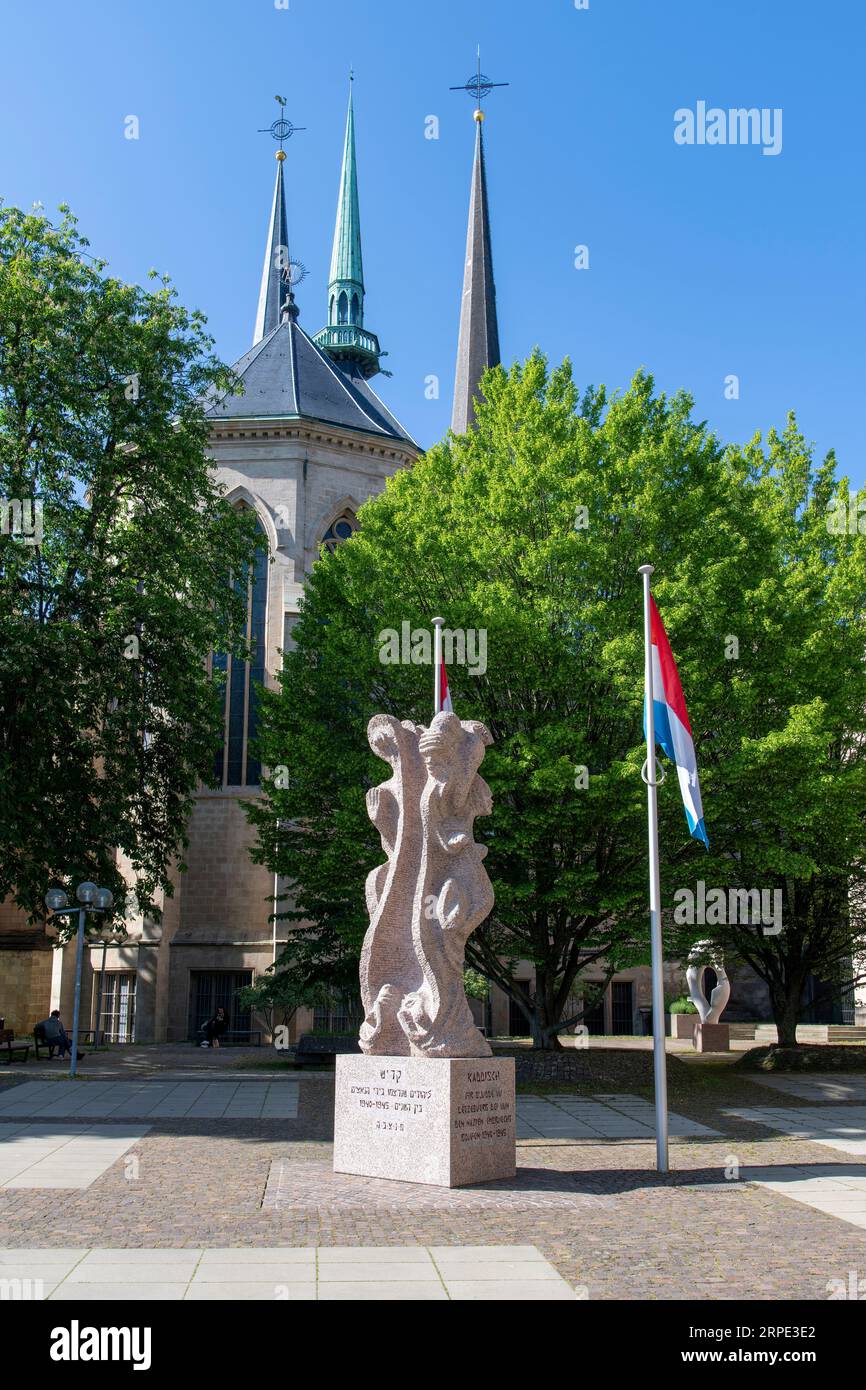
{"type": "Point", "coordinates": [52, 1032]}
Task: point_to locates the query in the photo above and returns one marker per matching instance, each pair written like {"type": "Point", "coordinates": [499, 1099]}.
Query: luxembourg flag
{"type": "Point", "coordinates": [441, 693]}
{"type": "Point", "coordinates": [444, 701]}
{"type": "Point", "coordinates": [673, 731]}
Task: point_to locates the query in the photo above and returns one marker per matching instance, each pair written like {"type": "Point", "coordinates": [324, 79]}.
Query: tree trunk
{"type": "Point", "coordinates": [786, 1013]}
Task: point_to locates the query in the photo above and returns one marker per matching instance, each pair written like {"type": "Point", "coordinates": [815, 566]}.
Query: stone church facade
{"type": "Point", "coordinates": [304, 444]}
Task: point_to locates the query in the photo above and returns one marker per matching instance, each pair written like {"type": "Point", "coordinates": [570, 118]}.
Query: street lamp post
{"type": "Point", "coordinates": [90, 899]}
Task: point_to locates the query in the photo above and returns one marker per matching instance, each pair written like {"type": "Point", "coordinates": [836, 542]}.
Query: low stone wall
{"type": "Point", "coordinates": [552, 1066]}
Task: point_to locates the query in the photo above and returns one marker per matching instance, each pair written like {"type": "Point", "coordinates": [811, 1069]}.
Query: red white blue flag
{"type": "Point", "coordinates": [444, 693]}
{"type": "Point", "coordinates": [673, 731]}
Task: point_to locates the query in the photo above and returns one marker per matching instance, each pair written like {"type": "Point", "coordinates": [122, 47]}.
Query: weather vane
{"type": "Point", "coordinates": [479, 87]}
{"type": "Point", "coordinates": [281, 129]}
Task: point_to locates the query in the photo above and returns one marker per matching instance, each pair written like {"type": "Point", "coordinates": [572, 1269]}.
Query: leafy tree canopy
{"type": "Point", "coordinates": [111, 603]}
{"type": "Point", "coordinates": [530, 529]}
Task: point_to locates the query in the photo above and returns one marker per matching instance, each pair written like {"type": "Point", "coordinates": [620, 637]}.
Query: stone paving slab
{"type": "Point", "coordinates": [597, 1117]}
{"type": "Point", "coordinates": [328, 1273]}
{"type": "Point", "coordinates": [838, 1190]}
{"type": "Point", "coordinates": [200, 1099]}
{"type": "Point", "coordinates": [819, 1087]}
{"type": "Point", "coordinates": [840, 1127]}
{"type": "Point", "coordinates": [54, 1156]}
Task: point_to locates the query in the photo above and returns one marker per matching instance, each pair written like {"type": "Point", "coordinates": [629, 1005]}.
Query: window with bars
{"type": "Point", "coordinates": [210, 990]}
{"type": "Point", "coordinates": [621, 1008]}
{"type": "Point", "coordinates": [117, 1023]}
{"type": "Point", "coordinates": [334, 1017]}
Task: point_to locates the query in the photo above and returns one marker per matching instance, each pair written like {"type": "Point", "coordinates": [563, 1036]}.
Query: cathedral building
{"type": "Point", "coordinates": [303, 444]}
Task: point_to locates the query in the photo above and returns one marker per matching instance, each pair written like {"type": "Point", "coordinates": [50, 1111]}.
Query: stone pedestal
{"type": "Point", "coordinates": [683, 1025]}
{"type": "Point", "coordinates": [446, 1121]}
{"type": "Point", "coordinates": [712, 1037]}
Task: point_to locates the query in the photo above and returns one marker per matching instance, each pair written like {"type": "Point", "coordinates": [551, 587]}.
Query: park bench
{"type": "Point", "coordinates": [40, 1040]}
{"type": "Point", "coordinates": [322, 1047]}
{"type": "Point", "coordinates": [16, 1051]}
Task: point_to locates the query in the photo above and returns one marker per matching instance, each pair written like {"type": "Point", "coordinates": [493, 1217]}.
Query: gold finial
{"type": "Point", "coordinates": [280, 155]}
{"type": "Point", "coordinates": [479, 115]}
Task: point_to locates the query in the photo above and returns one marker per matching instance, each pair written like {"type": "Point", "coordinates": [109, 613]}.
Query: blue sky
{"type": "Point", "coordinates": [705, 261]}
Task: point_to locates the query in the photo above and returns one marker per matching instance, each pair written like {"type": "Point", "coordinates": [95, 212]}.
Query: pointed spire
{"type": "Point", "coordinates": [276, 298]}
{"type": "Point", "coordinates": [347, 267]}
{"type": "Point", "coordinates": [478, 345]}
{"type": "Point", "coordinates": [345, 337]}
{"type": "Point", "coordinates": [276, 291]}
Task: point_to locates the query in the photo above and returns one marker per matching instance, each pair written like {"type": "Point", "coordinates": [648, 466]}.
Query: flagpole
{"type": "Point", "coordinates": [659, 1059]}
{"type": "Point", "coordinates": [437, 665]}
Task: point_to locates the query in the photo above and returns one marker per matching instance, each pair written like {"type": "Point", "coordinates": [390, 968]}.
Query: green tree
{"type": "Point", "coordinates": [531, 528]}
{"type": "Point", "coordinates": [110, 605]}
{"type": "Point", "coordinates": [788, 802]}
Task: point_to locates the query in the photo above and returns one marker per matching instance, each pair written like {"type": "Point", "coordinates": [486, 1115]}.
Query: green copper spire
{"type": "Point", "coordinates": [345, 337]}
{"type": "Point", "coordinates": [347, 266]}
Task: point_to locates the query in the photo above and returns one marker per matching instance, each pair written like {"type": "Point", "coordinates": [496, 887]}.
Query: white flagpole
{"type": "Point", "coordinates": [659, 1059]}
{"type": "Point", "coordinates": [437, 665]}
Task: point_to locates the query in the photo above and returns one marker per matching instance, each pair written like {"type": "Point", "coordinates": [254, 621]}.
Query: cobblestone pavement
{"type": "Point", "coordinates": [593, 1207]}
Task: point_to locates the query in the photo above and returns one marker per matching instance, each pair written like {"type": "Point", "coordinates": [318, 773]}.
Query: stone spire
{"type": "Point", "coordinates": [478, 345]}
{"type": "Point", "coordinates": [275, 294]}
{"type": "Point", "coordinates": [345, 337]}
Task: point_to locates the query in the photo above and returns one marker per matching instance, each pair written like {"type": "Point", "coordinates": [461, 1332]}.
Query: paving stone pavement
{"type": "Point", "coordinates": [72, 1156]}
{"type": "Point", "coordinates": [839, 1189]}
{"type": "Point", "coordinates": [841, 1127]}
{"type": "Point", "coordinates": [289, 1274]}
{"type": "Point", "coordinates": [594, 1208]}
{"type": "Point", "coordinates": [595, 1117]}
{"type": "Point", "coordinates": [818, 1086]}
{"type": "Point", "coordinates": [206, 1099]}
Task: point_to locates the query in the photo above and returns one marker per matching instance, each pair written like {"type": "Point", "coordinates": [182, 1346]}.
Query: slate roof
{"type": "Point", "coordinates": [286, 376]}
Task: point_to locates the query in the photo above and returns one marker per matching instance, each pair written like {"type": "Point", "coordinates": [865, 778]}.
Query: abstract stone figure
{"type": "Point", "coordinates": [431, 892]}
{"type": "Point", "coordinates": [710, 1011]}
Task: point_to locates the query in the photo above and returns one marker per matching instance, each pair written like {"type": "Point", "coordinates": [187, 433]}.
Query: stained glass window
{"type": "Point", "coordinates": [235, 767]}
{"type": "Point", "coordinates": [339, 530]}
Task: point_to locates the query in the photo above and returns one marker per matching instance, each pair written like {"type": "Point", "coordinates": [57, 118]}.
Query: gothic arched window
{"type": "Point", "coordinates": [235, 766]}
{"type": "Point", "coordinates": [331, 314]}
{"type": "Point", "coordinates": [339, 530]}
{"type": "Point", "coordinates": [343, 308]}
{"type": "Point", "coordinates": [355, 308]}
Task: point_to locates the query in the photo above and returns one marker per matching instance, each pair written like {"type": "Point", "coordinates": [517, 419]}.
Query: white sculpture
{"type": "Point", "coordinates": [700, 956]}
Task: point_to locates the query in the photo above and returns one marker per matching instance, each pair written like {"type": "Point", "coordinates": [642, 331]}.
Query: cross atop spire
{"type": "Point", "coordinates": [276, 297]}
{"type": "Point", "coordinates": [478, 344]}
{"type": "Point", "coordinates": [479, 87]}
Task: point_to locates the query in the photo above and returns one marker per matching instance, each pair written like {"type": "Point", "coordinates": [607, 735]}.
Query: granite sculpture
{"type": "Point", "coordinates": [431, 892]}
